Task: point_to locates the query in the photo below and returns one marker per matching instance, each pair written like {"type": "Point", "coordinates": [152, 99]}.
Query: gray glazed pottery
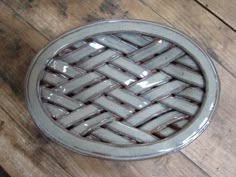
{"type": "Point", "coordinates": [122, 89]}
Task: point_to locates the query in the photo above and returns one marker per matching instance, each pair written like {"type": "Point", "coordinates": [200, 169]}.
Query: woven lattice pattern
{"type": "Point", "coordinates": [122, 88]}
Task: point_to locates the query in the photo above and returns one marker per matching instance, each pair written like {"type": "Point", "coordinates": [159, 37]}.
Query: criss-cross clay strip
{"type": "Point", "coordinates": [122, 90]}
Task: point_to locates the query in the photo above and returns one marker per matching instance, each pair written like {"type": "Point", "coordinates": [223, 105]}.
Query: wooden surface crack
{"type": "Point", "coordinates": [212, 154]}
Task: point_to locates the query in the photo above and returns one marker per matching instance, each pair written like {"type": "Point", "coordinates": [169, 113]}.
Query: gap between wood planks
{"type": "Point", "coordinates": [42, 150]}
{"type": "Point", "coordinates": [43, 35]}
{"type": "Point", "coordinates": [39, 151]}
{"type": "Point", "coordinates": [24, 129]}
{"type": "Point", "coordinates": [195, 164]}
{"type": "Point", "coordinates": [227, 66]}
{"type": "Point", "coordinates": [175, 158]}
{"type": "Point", "coordinates": [155, 12]}
{"type": "Point", "coordinates": [30, 135]}
{"type": "Point", "coordinates": [204, 7]}
{"type": "Point", "coordinates": [214, 14]}
{"type": "Point", "coordinates": [211, 12]}
{"type": "Point", "coordinates": [189, 167]}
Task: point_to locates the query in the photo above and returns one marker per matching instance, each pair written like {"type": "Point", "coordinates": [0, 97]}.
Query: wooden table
{"type": "Point", "coordinates": [27, 25]}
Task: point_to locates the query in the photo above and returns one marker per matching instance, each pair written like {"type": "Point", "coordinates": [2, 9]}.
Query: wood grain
{"type": "Point", "coordinates": [26, 26]}
{"type": "Point", "coordinates": [13, 22]}
{"type": "Point", "coordinates": [33, 146]}
{"type": "Point", "coordinates": [26, 152]}
{"type": "Point", "coordinates": [225, 10]}
{"type": "Point", "coordinates": [197, 22]}
{"type": "Point", "coordinates": [215, 37]}
{"type": "Point", "coordinates": [222, 125]}
{"type": "Point", "coordinates": [215, 151]}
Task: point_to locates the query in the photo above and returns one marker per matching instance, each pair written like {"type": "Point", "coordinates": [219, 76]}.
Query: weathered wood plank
{"type": "Point", "coordinates": [60, 16]}
{"type": "Point", "coordinates": [47, 16]}
{"type": "Point", "coordinates": [17, 118]}
{"type": "Point", "coordinates": [197, 22]}
{"type": "Point", "coordinates": [50, 19]}
{"type": "Point", "coordinates": [24, 151]}
{"type": "Point", "coordinates": [31, 23]}
{"type": "Point", "coordinates": [15, 56]}
{"type": "Point", "coordinates": [214, 152]}
{"type": "Point", "coordinates": [21, 155]}
{"type": "Point", "coordinates": [13, 22]}
{"type": "Point", "coordinates": [217, 39]}
{"type": "Point", "coordinates": [225, 10]}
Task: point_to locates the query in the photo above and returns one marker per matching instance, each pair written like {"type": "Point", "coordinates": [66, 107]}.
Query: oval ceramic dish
{"type": "Point", "coordinates": [122, 89]}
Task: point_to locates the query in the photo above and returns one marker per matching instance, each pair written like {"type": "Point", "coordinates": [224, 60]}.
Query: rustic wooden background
{"type": "Point", "coordinates": [28, 25]}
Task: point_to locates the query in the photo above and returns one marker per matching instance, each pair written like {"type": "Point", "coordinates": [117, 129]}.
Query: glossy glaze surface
{"type": "Point", "coordinates": [122, 89]}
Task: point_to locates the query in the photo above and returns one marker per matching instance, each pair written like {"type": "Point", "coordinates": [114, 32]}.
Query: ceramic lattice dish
{"type": "Point", "coordinates": [122, 89]}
